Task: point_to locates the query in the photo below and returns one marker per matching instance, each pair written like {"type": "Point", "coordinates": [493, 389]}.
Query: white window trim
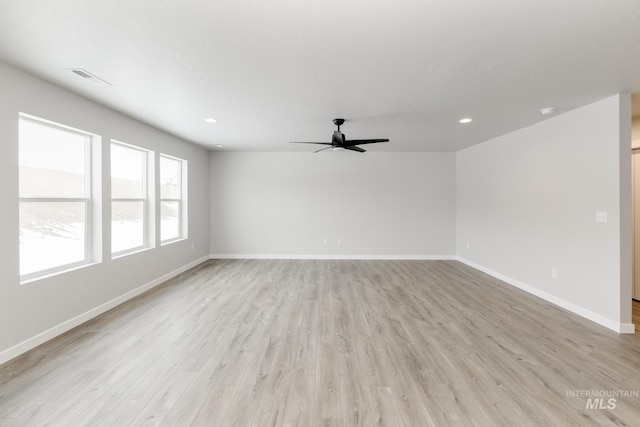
{"type": "Point", "coordinates": [147, 241]}
{"type": "Point", "coordinates": [89, 227]}
{"type": "Point", "coordinates": [182, 222]}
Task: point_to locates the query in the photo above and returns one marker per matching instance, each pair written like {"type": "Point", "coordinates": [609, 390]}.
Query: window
{"type": "Point", "coordinates": [129, 198]}
{"type": "Point", "coordinates": [55, 190]}
{"type": "Point", "coordinates": [172, 191]}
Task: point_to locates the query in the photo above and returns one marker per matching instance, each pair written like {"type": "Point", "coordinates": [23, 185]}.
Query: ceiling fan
{"type": "Point", "coordinates": [339, 141]}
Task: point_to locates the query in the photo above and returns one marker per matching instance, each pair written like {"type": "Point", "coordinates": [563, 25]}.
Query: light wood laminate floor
{"type": "Point", "coordinates": [328, 343]}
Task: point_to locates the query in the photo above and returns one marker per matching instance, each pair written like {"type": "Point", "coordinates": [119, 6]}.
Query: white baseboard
{"type": "Point", "coordinates": [45, 336]}
{"type": "Point", "coordinates": [622, 328]}
{"type": "Point", "coordinates": [627, 328]}
{"type": "Point", "coordinates": [335, 257]}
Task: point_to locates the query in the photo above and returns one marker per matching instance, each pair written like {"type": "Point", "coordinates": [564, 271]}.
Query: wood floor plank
{"type": "Point", "coordinates": [186, 408]}
{"type": "Point", "coordinates": [215, 406]}
{"type": "Point", "coordinates": [327, 343]}
{"type": "Point", "coordinates": [128, 394]}
{"type": "Point", "coordinates": [164, 399]}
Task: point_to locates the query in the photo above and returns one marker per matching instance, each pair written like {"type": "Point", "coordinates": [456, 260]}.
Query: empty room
{"type": "Point", "coordinates": [304, 213]}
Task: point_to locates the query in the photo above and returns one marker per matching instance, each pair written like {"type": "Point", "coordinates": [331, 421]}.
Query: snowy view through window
{"type": "Point", "coordinates": [129, 197]}
{"type": "Point", "coordinates": [170, 195]}
{"type": "Point", "coordinates": [54, 196]}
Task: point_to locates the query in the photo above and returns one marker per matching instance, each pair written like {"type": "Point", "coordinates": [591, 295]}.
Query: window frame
{"type": "Point", "coordinates": [182, 209]}
{"type": "Point", "coordinates": [148, 241]}
{"type": "Point", "coordinates": [90, 256]}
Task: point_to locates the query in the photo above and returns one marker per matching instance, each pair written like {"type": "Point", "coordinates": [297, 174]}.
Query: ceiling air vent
{"type": "Point", "coordinates": [90, 77]}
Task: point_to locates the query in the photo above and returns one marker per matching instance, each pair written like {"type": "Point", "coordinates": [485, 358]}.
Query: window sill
{"type": "Point", "coordinates": [49, 274]}
{"type": "Point", "coordinates": [176, 240]}
{"type": "Point", "coordinates": [134, 251]}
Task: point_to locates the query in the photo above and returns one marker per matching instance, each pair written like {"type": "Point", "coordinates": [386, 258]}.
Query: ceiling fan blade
{"type": "Point", "coordinates": [363, 141]}
{"type": "Point", "coordinates": [339, 141]}
{"type": "Point", "coordinates": [322, 149]}
{"type": "Point", "coordinates": [354, 148]}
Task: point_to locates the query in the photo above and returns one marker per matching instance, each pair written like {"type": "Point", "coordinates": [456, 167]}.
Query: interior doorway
{"type": "Point", "coordinates": [635, 186]}
{"type": "Point", "coordinates": [635, 201]}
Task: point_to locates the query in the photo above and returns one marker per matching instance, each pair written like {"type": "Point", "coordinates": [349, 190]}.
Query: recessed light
{"type": "Point", "coordinates": [465, 120]}
{"type": "Point", "coordinates": [218, 145]}
{"type": "Point", "coordinates": [211, 120]}
{"type": "Point", "coordinates": [547, 110]}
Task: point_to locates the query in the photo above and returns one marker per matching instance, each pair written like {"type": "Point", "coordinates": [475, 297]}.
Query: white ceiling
{"type": "Point", "coordinates": [280, 70]}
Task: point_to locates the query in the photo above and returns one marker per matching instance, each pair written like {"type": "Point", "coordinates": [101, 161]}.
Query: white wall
{"type": "Point", "coordinates": [526, 203]}
{"type": "Point", "coordinates": [378, 204]}
{"type": "Point", "coordinates": [29, 312]}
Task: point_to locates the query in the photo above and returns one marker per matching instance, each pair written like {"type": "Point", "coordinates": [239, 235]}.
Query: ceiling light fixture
{"type": "Point", "coordinates": [218, 145]}
{"type": "Point", "coordinates": [88, 76]}
{"type": "Point", "coordinates": [211, 120]}
{"type": "Point", "coordinates": [547, 110]}
{"type": "Point", "coordinates": [465, 120]}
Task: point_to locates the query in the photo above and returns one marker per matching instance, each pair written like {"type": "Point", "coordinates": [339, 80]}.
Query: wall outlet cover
{"type": "Point", "coordinates": [601, 217]}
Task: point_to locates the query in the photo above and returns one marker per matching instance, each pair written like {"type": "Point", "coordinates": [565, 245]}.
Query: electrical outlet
{"type": "Point", "coordinates": [339, 242]}
{"type": "Point", "coordinates": [554, 273]}
{"type": "Point", "coordinates": [468, 245]}
{"type": "Point", "coordinates": [324, 240]}
{"type": "Point", "coordinates": [193, 246]}
{"type": "Point", "coordinates": [601, 217]}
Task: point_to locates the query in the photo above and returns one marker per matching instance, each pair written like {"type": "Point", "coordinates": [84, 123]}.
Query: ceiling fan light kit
{"type": "Point", "coordinates": [340, 142]}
